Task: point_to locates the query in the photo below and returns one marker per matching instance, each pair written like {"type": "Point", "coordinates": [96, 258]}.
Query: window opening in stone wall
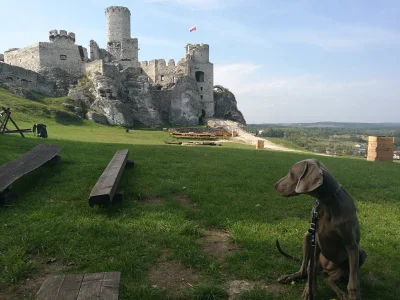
{"type": "Point", "coordinates": [63, 57]}
{"type": "Point", "coordinates": [201, 88]}
{"type": "Point", "coordinates": [200, 76]}
{"type": "Point", "coordinates": [162, 77]}
{"type": "Point", "coordinates": [201, 96]}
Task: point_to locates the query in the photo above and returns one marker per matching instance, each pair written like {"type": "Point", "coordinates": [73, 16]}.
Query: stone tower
{"type": "Point", "coordinates": [118, 20]}
{"type": "Point", "coordinates": [123, 48]}
{"type": "Point", "coordinates": [197, 56]}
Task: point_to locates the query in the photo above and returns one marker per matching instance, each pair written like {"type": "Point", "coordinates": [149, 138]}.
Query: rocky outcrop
{"type": "Point", "coordinates": [20, 91]}
{"type": "Point", "coordinates": [185, 106]}
{"type": "Point", "coordinates": [58, 80]}
{"type": "Point", "coordinates": [124, 97]}
{"type": "Point", "coordinates": [226, 105]}
{"type": "Point", "coordinates": [98, 118]}
{"type": "Point", "coordinates": [82, 93]}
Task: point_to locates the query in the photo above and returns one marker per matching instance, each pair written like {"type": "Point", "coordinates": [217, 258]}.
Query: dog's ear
{"type": "Point", "coordinates": [310, 179]}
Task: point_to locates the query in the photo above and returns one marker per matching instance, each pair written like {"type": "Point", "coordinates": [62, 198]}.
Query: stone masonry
{"type": "Point", "coordinates": [124, 88]}
{"type": "Point", "coordinates": [61, 52]}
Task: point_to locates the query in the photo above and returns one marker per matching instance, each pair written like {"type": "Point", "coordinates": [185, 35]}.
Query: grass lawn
{"type": "Point", "coordinates": [193, 222]}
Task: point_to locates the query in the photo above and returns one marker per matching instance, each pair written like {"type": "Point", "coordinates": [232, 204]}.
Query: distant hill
{"type": "Point", "coordinates": [331, 124]}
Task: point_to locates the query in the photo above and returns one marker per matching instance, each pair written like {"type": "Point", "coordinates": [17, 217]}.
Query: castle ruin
{"type": "Point", "coordinates": [119, 71]}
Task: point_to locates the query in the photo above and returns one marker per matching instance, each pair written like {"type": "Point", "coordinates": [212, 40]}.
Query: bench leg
{"type": "Point", "coordinates": [7, 197]}
{"type": "Point", "coordinates": [130, 164]}
{"type": "Point", "coordinates": [118, 197]}
{"type": "Point", "coordinates": [55, 160]}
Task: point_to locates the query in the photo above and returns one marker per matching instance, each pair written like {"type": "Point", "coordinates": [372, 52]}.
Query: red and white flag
{"type": "Point", "coordinates": [193, 28]}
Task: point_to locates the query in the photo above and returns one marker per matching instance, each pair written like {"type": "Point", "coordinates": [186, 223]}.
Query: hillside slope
{"type": "Point", "coordinates": [208, 215]}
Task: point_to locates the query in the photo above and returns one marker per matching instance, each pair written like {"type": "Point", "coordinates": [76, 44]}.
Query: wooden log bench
{"type": "Point", "coordinates": [33, 159]}
{"type": "Point", "coordinates": [97, 286]}
{"type": "Point", "coordinates": [104, 192]}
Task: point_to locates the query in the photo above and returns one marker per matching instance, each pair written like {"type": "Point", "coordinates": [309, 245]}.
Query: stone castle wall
{"type": "Point", "coordinates": [52, 82]}
{"type": "Point", "coordinates": [27, 58]}
{"type": "Point", "coordinates": [64, 56]}
{"type": "Point", "coordinates": [18, 76]}
{"type": "Point", "coordinates": [161, 73]}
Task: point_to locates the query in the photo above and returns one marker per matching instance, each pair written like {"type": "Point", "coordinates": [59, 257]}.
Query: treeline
{"type": "Point", "coordinates": [321, 139]}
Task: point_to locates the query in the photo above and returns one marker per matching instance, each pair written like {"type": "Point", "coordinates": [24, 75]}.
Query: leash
{"type": "Point", "coordinates": [312, 231]}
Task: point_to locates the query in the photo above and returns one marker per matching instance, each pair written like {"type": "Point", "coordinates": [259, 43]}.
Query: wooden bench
{"type": "Point", "coordinates": [24, 164]}
{"type": "Point", "coordinates": [97, 286]}
{"type": "Point", "coordinates": [104, 192]}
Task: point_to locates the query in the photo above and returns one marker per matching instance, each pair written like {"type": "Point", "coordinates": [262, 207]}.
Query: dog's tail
{"type": "Point", "coordinates": [285, 254]}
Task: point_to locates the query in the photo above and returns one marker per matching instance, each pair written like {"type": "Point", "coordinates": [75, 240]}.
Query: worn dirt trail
{"type": "Point", "coordinates": [244, 137]}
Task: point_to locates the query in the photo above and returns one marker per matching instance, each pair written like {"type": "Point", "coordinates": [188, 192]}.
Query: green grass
{"type": "Point", "coordinates": [232, 186]}
{"type": "Point", "coordinates": [285, 143]}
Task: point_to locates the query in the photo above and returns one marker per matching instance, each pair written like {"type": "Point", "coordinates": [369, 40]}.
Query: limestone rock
{"type": "Point", "coordinates": [185, 106]}
{"type": "Point", "coordinates": [79, 111]}
{"type": "Point", "coordinates": [59, 80]}
{"type": "Point", "coordinates": [98, 118]}
{"type": "Point", "coordinates": [226, 105]}
{"type": "Point", "coordinates": [81, 95]}
{"type": "Point", "coordinates": [20, 91]}
{"type": "Point", "coordinates": [124, 97]}
{"type": "Point", "coordinates": [68, 106]}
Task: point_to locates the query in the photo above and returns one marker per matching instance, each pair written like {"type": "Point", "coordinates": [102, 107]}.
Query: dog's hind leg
{"type": "Point", "coordinates": [302, 273]}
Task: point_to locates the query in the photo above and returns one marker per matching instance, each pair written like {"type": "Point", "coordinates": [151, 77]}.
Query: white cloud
{"type": "Point", "coordinates": [308, 98]}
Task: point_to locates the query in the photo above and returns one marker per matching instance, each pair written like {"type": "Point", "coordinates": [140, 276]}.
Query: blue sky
{"type": "Point", "coordinates": [286, 61]}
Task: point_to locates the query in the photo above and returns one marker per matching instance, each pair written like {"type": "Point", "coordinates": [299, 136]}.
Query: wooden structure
{"type": "Point", "coordinates": [194, 135]}
{"type": "Point", "coordinates": [5, 116]}
{"type": "Point", "coordinates": [104, 192]}
{"type": "Point", "coordinates": [26, 163]}
{"type": "Point", "coordinates": [204, 143]}
{"type": "Point", "coordinates": [380, 148]}
{"type": "Point", "coordinates": [260, 144]}
{"type": "Point", "coordinates": [201, 133]}
{"type": "Point", "coordinates": [97, 286]}
{"type": "Point", "coordinates": [173, 143]}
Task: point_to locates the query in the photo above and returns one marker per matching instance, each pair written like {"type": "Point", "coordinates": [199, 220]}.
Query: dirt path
{"type": "Point", "coordinates": [244, 137]}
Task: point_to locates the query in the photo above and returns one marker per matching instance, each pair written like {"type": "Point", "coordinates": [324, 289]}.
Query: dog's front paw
{"type": "Point", "coordinates": [341, 295]}
{"type": "Point", "coordinates": [306, 294]}
{"type": "Point", "coordinates": [290, 277]}
{"type": "Point", "coordinates": [354, 295]}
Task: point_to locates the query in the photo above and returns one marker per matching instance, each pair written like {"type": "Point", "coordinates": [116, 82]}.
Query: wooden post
{"type": "Point", "coordinates": [260, 144]}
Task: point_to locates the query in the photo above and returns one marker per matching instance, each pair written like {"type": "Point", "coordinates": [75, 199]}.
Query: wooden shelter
{"type": "Point", "coordinates": [380, 148]}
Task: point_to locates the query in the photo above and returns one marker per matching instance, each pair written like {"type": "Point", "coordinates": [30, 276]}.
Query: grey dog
{"type": "Point", "coordinates": [337, 251]}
